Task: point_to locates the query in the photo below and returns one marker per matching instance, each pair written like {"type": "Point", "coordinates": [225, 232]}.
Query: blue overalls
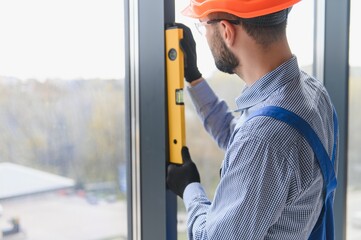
{"type": "Point", "coordinates": [324, 228]}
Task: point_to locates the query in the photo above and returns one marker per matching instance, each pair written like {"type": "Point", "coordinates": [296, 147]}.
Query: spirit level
{"type": "Point", "coordinates": [175, 84]}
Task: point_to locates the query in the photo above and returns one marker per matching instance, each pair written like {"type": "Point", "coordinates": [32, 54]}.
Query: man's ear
{"type": "Point", "coordinates": [228, 32]}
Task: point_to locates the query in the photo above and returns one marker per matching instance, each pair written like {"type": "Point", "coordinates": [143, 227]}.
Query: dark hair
{"type": "Point", "coordinates": [265, 35]}
{"type": "Point", "coordinates": [264, 30]}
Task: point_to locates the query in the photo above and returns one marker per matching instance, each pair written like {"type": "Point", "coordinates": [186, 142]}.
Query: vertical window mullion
{"type": "Point", "coordinates": [332, 67]}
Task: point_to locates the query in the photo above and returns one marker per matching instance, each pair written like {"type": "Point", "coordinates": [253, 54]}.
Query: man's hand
{"type": "Point", "coordinates": [179, 176]}
{"type": "Point", "coordinates": [188, 46]}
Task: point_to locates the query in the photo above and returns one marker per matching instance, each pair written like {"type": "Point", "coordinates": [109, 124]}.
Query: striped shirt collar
{"type": "Point", "coordinates": [266, 85]}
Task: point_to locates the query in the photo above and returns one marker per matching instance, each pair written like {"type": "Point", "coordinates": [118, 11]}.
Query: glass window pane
{"type": "Point", "coordinates": [300, 33]}
{"type": "Point", "coordinates": [62, 164]}
{"type": "Point", "coordinates": [228, 87]}
{"type": "Point", "coordinates": [354, 128]}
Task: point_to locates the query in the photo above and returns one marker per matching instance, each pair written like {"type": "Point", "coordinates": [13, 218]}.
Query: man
{"type": "Point", "coordinates": [276, 181]}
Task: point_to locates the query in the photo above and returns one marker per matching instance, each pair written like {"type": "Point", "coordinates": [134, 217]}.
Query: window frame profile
{"type": "Point", "coordinates": [331, 58]}
{"type": "Point", "coordinates": [151, 208]}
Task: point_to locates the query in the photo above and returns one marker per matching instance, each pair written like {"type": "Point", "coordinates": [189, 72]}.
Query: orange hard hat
{"type": "Point", "coordinates": [241, 8]}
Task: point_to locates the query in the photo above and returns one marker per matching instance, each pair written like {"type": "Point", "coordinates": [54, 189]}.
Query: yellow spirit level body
{"type": "Point", "coordinates": [175, 85]}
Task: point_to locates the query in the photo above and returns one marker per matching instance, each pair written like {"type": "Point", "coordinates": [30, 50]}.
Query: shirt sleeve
{"type": "Point", "coordinates": [250, 196]}
{"type": "Point", "coordinates": [215, 115]}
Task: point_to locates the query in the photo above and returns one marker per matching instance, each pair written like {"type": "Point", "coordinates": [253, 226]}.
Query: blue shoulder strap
{"type": "Point", "coordinates": [324, 226]}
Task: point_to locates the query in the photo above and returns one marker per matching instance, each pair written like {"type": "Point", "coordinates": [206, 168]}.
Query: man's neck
{"type": "Point", "coordinates": [255, 62]}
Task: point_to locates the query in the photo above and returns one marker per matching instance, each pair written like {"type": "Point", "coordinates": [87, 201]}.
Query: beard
{"type": "Point", "coordinates": [224, 59]}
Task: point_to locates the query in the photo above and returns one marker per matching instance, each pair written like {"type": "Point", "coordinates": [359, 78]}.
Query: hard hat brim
{"type": "Point", "coordinates": [197, 10]}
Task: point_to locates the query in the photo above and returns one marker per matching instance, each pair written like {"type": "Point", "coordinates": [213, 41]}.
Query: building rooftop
{"type": "Point", "coordinates": [17, 180]}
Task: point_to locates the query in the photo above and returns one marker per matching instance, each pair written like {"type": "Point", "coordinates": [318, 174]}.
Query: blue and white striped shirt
{"type": "Point", "coordinates": [271, 184]}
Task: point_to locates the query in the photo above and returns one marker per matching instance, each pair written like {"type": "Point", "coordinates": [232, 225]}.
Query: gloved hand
{"type": "Point", "coordinates": [188, 46]}
{"type": "Point", "coordinates": [179, 176]}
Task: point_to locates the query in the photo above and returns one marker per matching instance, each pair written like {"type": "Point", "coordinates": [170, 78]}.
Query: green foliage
{"type": "Point", "coordinates": [72, 128]}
